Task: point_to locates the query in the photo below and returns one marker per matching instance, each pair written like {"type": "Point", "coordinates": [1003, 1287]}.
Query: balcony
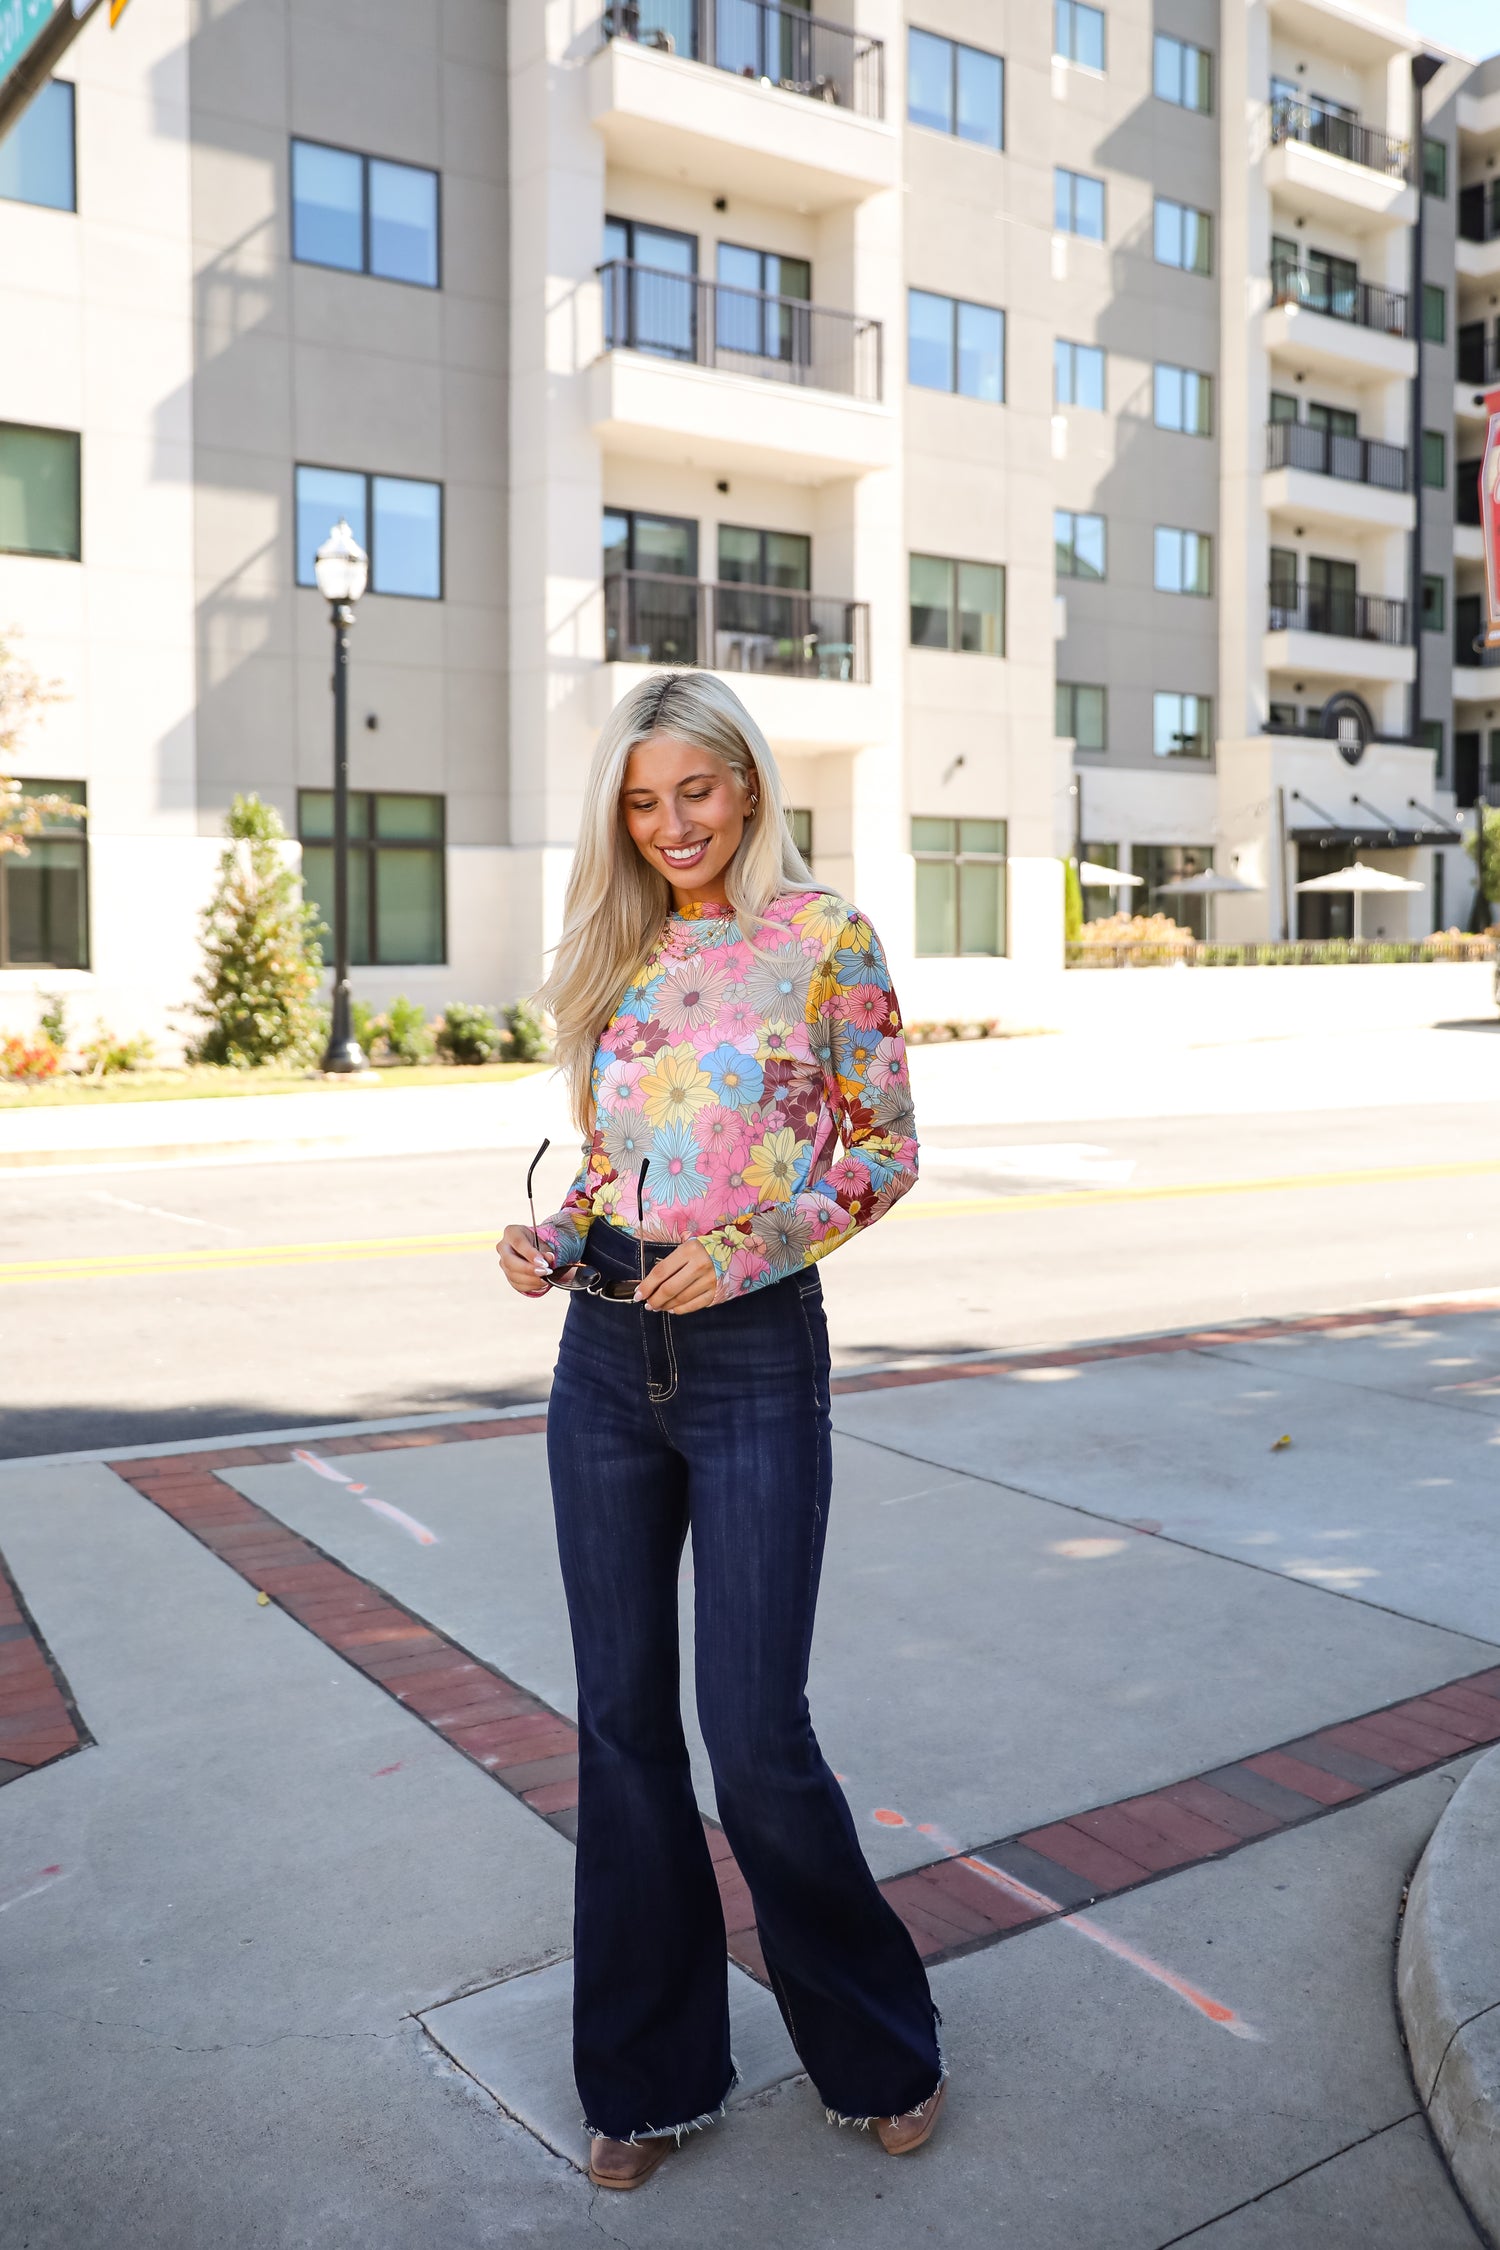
{"type": "Point", "coordinates": [1332, 167]}
{"type": "Point", "coordinates": [651, 618]}
{"type": "Point", "coordinates": [800, 661]}
{"type": "Point", "coordinates": [1364, 304]}
{"type": "Point", "coordinates": [1477, 252]}
{"type": "Point", "coordinates": [1328, 632]}
{"type": "Point", "coordinates": [686, 369]}
{"type": "Point", "coordinates": [1478, 355]}
{"type": "Point", "coordinates": [1322, 477]}
{"type": "Point", "coordinates": [1476, 669]}
{"type": "Point", "coordinates": [1466, 492]}
{"type": "Point", "coordinates": [744, 96]}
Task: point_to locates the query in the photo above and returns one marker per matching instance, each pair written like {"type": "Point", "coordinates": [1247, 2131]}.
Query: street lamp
{"type": "Point", "coordinates": [342, 570]}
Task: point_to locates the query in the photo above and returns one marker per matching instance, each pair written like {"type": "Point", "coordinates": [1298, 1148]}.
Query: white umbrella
{"type": "Point", "coordinates": [1210, 884]}
{"type": "Point", "coordinates": [1096, 878]}
{"type": "Point", "coordinates": [1358, 879]}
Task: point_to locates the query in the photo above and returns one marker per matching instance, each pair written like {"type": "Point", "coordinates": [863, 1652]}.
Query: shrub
{"type": "Point", "coordinates": [54, 1019]}
{"type": "Point", "coordinates": [528, 1034]}
{"type": "Point", "coordinates": [1072, 901]}
{"type": "Point", "coordinates": [106, 1053]}
{"type": "Point", "coordinates": [27, 1059]}
{"type": "Point", "coordinates": [365, 1024]}
{"type": "Point", "coordinates": [469, 1033]}
{"type": "Point", "coordinates": [258, 994]}
{"type": "Point", "coordinates": [408, 1035]}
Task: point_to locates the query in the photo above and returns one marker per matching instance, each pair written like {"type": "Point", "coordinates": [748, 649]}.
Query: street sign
{"type": "Point", "coordinates": [1489, 517]}
{"type": "Point", "coordinates": [22, 23]}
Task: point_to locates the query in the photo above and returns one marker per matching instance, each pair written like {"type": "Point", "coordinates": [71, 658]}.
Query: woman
{"type": "Point", "coordinates": [721, 1018]}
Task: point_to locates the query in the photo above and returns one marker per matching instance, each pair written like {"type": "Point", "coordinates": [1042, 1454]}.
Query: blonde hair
{"type": "Point", "coordinates": [616, 901]}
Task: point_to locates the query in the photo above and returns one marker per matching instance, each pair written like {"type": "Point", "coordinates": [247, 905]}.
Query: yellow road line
{"type": "Point", "coordinates": [249, 1257]}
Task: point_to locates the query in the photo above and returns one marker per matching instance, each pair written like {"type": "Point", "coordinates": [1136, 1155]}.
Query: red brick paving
{"type": "Point", "coordinates": [38, 1721]}
{"type": "Point", "coordinates": [950, 1906]}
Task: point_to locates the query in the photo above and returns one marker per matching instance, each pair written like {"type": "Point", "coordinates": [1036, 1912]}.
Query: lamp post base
{"type": "Point", "coordinates": [344, 1059]}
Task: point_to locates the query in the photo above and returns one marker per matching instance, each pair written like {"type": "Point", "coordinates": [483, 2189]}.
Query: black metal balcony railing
{"type": "Point", "coordinates": [1479, 211]}
{"type": "Point", "coordinates": [1466, 492]}
{"type": "Point", "coordinates": [1478, 357]}
{"type": "Point", "coordinates": [1364, 303]}
{"type": "Point", "coordinates": [1337, 609]}
{"type": "Point", "coordinates": [650, 618]}
{"type": "Point", "coordinates": [1357, 460]}
{"type": "Point", "coordinates": [746, 331]}
{"type": "Point", "coordinates": [761, 39]}
{"type": "Point", "coordinates": [1340, 136]}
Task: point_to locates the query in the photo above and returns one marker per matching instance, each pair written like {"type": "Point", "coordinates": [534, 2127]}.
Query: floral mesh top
{"type": "Point", "coordinates": [734, 1070]}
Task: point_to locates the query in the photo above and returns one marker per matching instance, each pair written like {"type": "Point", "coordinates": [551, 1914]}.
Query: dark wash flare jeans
{"type": "Point", "coordinates": [714, 1422]}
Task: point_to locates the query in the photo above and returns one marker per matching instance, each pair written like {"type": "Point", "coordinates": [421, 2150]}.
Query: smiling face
{"type": "Point", "coordinates": [686, 813]}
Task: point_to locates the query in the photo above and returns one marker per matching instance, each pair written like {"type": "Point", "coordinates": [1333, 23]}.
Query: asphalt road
{"type": "Point", "coordinates": [275, 1296]}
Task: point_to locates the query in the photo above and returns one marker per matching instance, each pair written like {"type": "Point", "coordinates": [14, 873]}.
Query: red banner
{"type": "Point", "coordinates": [1489, 517]}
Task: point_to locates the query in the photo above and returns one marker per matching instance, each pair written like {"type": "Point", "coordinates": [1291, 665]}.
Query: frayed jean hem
{"type": "Point", "coordinates": [668, 2132]}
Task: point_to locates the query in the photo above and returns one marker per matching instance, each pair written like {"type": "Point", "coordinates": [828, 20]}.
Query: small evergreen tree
{"type": "Point", "coordinates": [258, 994]}
{"type": "Point", "coordinates": [1072, 902]}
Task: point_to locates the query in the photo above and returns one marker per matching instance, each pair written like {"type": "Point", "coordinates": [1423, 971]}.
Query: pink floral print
{"type": "Point", "coordinates": [732, 1070]}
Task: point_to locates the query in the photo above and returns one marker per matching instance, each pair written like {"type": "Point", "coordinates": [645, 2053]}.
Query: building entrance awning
{"type": "Point", "coordinates": [1367, 826]}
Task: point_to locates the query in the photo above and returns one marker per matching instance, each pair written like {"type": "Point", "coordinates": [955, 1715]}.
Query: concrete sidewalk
{"type": "Point", "coordinates": [1096, 1075]}
{"type": "Point", "coordinates": [1051, 1589]}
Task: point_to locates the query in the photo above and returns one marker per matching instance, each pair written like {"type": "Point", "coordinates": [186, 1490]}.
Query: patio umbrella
{"type": "Point", "coordinates": [1096, 878]}
{"type": "Point", "coordinates": [1358, 879]}
{"type": "Point", "coordinates": [1210, 884]}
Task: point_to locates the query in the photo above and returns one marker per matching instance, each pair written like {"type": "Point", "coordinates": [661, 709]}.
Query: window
{"type": "Point", "coordinates": [37, 155]}
{"type": "Point", "coordinates": [1183, 561]}
{"type": "Point", "coordinates": [1169, 863]}
{"type": "Point", "coordinates": [1080, 715]}
{"type": "Point", "coordinates": [758, 309]}
{"type": "Point", "coordinates": [1078, 204]}
{"type": "Point", "coordinates": [1078, 33]}
{"type": "Point", "coordinates": [1434, 166]}
{"type": "Point", "coordinates": [1079, 544]}
{"type": "Point", "coordinates": [1430, 735]}
{"type": "Point", "coordinates": [1182, 74]}
{"type": "Point", "coordinates": [39, 492]}
{"type": "Point", "coordinates": [960, 885]}
{"type": "Point", "coordinates": [1283, 406]}
{"type": "Point", "coordinates": [650, 618]}
{"type": "Point", "coordinates": [1182, 237]}
{"type": "Point", "coordinates": [1181, 725]}
{"type": "Point", "coordinates": [650, 293]}
{"type": "Point", "coordinates": [44, 905]}
{"type": "Point", "coordinates": [1434, 459]}
{"type": "Point", "coordinates": [958, 605]}
{"type": "Point", "coordinates": [1434, 604]}
{"type": "Point", "coordinates": [1184, 401]}
{"type": "Point", "coordinates": [764, 558]}
{"type": "Point", "coordinates": [955, 89]}
{"type": "Point", "coordinates": [800, 821]}
{"type": "Point", "coordinates": [1434, 313]}
{"type": "Point", "coordinates": [952, 346]}
{"type": "Point", "coordinates": [1078, 375]}
{"type": "Point", "coordinates": [396, 903]}
{"type": "Point", "coordinates": [397, 520]}
{"type": "Point", "coordinates": [1099, 899]}
{"type": "Point", "coordinates": [364, 214]}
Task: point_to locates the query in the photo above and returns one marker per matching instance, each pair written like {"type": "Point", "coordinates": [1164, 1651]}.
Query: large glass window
{"type": "Point", "coordinates": [954, 346]}
{"type": "Point", "coordinates": [1182, 237]}
{"type": "Point", "coordinates": [1078, 204]}
{"type": "Point", "coordinates": [397, 520]}
{"type": "Point", "coordinates": [364, 214]}
{"type": "Point", "coordinates": [1434, 459]}
{"type": "Point", "coordinates": [955, 89]}
{"type": "Point", "coordinates": [1079, 543]}
{"type": "Point", "coordinates": [1081, 715]}
{"type": "Point", "coordinates": [1182, 73]}
{"type": "Point", "coordinates": [1184, 561]}
{"type": "Point", "coordinates": [1183, 400]}
{"type": "Point", "coordinates": [1169, 863]}
{"type": "Point", "coordinates": [764, 558]}
{"type": "Point", "coordinates": [650, 589]}
{"type": "Point", "coordinates": [1434, 313]}
{"type": "Point", "coordinates": [958, 605]}
{"type": "Point", "coordinates": [1078, 374]}
{"type": "Point", "coordinates": [1078, 33]}
{"type": "Point", "coordinates": [650, 293]}
{"type": "Point", "coordinates": [759, 307]}
{"type": "Point", "coordinates": [1181, 725]}
{"type": "Point", "coordinates": [39, 492]}
{"type": "Point", "coordinates": [1434, 166]}
{"type": "Point", "coordinates": [44, 903]}
{"type": "Point", "coordinates": [396, 875]}
{"type": "Point", "coordinates": [960, 872]}
{"type": "Point", "coordinates": [37, 154]}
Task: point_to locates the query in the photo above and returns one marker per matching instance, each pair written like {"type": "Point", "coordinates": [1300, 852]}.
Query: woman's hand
{"type": "Point", "coordinates": [685, 1282]}
{"type": "Point", "coordinates": [524, 1264]}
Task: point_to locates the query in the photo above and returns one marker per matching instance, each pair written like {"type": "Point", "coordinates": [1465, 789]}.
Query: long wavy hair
{"type": "Point", "coordinates": [616, 901]}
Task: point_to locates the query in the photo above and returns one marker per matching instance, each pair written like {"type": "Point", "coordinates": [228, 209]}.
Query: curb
{"type": "Point", "coordinates": [1448, 1987]}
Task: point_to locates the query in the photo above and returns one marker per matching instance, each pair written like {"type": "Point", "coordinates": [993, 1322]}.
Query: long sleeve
{"type": "Point", "coordinates": [806, 1206]}
{"type": "Point", "coordinates": [565, 1231]}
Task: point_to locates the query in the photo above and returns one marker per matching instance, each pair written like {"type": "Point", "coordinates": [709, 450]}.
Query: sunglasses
{"type": "Point", "coordinates": [588, 1281]}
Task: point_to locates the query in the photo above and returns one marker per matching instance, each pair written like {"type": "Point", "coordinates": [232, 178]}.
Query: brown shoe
{"type": "Point", "coordinates": [625, 2164]}
{"type": "Point", "coordinates": [900, 2135]}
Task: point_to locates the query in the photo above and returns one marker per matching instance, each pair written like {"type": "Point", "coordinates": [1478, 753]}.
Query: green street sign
{"type": "Point", "coordinates": [22, 23]}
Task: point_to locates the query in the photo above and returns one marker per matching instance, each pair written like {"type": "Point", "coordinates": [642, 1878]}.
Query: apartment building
{"type": "Point", "coordinates": [1016, 400]}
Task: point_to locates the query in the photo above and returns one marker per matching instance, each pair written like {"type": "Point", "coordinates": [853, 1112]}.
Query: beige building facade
{"type": "Point", "coordinates": [1013, 399]}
